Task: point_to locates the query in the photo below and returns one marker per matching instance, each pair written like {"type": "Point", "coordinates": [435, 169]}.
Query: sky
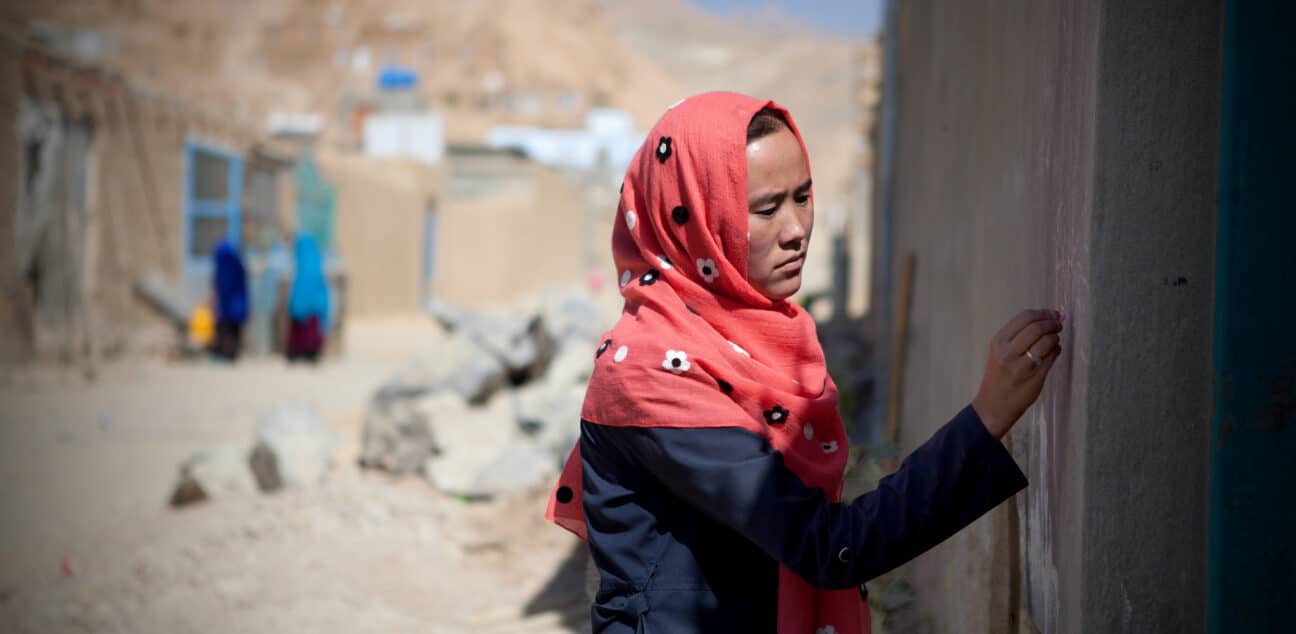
{"type": "Point", "coordinates": [851, 18]}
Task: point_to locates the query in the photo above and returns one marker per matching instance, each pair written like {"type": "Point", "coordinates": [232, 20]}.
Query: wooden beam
{"type": "Point", "coordinates": [900, 334]}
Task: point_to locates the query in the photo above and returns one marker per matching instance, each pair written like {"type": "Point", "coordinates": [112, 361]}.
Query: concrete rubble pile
{"type": "Point", "coordinates": [496, 408]}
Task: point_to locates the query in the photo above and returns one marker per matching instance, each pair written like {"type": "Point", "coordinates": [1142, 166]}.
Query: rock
{"type": "Point", "coordinates": [294, 448]}
{"type": "Point", "coordinates": [515, 339]}
{"type": "Point", "coordinates": [213, 474]}
{"type": "Point", "coordinates": [460, 365]}
{"type": "Point", "coordinates": [448, 315]}
{"type": "Point", "coordinates": [396, 437]}
{"type": "Point", "coordinates": [550, 415]}
{"type": "Point", "coordinates": [512, 339]}
{"type": "Point", "coordinates": [568, 314]}
{"type": "Point", "coordinates": [519, 466]}
{"type": "Point", "coordinates": [572, 364]}
{"type": "Point", "coordinates": [469, 439]}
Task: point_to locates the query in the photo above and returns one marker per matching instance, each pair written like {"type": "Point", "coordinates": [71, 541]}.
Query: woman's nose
{"type": "Point", "coordinates": [792, 231]}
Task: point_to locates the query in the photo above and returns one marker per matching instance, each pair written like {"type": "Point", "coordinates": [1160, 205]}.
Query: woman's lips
{"type": "Point", "coordinates": [792, 265]}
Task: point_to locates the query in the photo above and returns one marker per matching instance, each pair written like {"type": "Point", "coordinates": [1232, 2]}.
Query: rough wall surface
{"type": "Point", "coordinates": [500, 247]}
{"type": "Point", "coordinates": [381, 208]}
{"type": "Point", "coordinates": [993, 153]}
{"type": "Point", "coordinates": [1149, 400]}
{"type": "Point", "coordinates": [1061, 154]}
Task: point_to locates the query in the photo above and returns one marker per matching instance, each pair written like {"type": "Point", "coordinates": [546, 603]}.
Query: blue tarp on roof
{"type": "Point", "coordinates": [397, 78]}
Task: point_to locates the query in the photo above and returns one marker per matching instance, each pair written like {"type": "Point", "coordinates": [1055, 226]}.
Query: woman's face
{"type": "Point", "coordinates": [780, 211]}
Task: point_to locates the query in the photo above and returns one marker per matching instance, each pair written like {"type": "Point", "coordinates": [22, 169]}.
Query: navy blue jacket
{"type": "Point", "coordinates": [688, 526]}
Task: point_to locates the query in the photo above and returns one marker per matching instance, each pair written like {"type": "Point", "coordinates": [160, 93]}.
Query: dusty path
{"type": "Point", "coordinates": [85, 471]}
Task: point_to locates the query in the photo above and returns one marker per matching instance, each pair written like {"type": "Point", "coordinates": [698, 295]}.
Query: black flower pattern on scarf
{"type": "Point", "coordinates": [603, 348]}
{"type": "Point", "coordinates": [649, 278]}
{"type": "Point", "coordinates": [680, 214]}
{"type": "Point", "coordinates": [564, 495]}
{"type": "Point", "coordinates": [663, 149]}
{"type": "Point", "coordinates": [776, 415]}
{"type": "Point", "coordinates": [724, 386]}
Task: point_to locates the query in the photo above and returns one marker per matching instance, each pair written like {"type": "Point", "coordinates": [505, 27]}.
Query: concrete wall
{"type": "Point", "coordinates": [497, 248]}
{"type": "Point", "coordinates": [494, 246]}
{"type": "Point", "coordinates": [380, 209]}
{"type": "Point", "coordinates": [1152, 256]}
{"type": "Point", "coordinates": [1063, 154]}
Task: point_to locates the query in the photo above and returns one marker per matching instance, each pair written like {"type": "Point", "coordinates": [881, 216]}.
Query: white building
{"type": "Point", "coordinates": [608, 141]}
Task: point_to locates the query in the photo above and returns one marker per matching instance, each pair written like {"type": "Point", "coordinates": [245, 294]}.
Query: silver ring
{"type": "Point", "coordinates": [1037, 362]}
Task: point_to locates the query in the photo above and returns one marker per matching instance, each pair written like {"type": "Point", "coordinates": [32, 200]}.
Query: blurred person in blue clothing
{"type": "Point", "coordinates": [308, 302]}
{"type": "Point", "coordinates": [229, 281]}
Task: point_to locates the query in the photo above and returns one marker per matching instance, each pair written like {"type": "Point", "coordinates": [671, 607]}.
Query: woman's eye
{"type": "Point", "coordinates": [802, 199]}
{"type": "Point", "coordinates": [767, 212]}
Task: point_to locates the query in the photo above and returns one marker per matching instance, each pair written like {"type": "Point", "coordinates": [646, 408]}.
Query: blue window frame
{"type": "Point", "coordinates": [213, 201]}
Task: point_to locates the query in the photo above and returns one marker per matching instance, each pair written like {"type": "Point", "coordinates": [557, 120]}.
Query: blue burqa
{"type": "Point", "coordinates": [310, 293]}
{"type": "Point", "coordinates": [230, 280]}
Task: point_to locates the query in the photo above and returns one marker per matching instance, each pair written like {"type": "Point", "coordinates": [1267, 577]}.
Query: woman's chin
{"type": "Point", "coordinates": [784, 288]}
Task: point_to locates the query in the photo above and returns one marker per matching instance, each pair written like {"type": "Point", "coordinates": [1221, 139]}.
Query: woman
{"type": "Point", "coordinates": [229, 280]}
{"type": "Point", "coordinates": [708, 475]}
{"type": "Point", "coordinates": [308, 302]}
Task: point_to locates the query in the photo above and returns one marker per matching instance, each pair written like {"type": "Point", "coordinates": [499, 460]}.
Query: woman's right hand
{"type": "Point", "coordinates": [1012, 381]}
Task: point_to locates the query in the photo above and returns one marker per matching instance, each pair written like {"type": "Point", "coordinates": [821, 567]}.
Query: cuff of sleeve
{"type": "Point", "coordinates": [991, 454]}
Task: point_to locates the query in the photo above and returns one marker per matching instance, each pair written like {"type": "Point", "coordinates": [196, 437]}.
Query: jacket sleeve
{"type": "Point", "coordinates": [736, 478]}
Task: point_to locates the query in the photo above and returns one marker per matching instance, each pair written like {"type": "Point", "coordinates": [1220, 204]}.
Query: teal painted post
{"type": "Point", "coordinates": [1252, 558]}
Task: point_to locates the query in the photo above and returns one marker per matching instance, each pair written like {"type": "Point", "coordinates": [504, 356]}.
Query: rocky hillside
{"type": "Point", "coordinates": [483, 61]}
{"type": "Point", "coordinates": [487, 60]}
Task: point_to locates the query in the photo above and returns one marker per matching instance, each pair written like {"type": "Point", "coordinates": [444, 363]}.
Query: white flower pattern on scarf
{"type": "Point", "coordinates": [676, 361]}
{"type": "Point", "coordinates": [827, 629]}
{"type": "Point", "coordinates": [737, 348]}
{"type": "Point", "coordinates": [707, 269]}
{"type": "Point", "coordinates": [620, 354]}
{"type": "Point", "coordinates": [630, 219]}
{"type": "Point", "coordinates": [830, 447]}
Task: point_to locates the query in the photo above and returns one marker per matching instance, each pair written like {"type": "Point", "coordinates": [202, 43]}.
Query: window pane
{"type": "Point", "coordinates": [206, 233]}
{"type": "Point", "coordinates": [211, 176]}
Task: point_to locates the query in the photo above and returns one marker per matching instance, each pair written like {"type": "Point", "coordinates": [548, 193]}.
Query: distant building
{"type": "Point", "coordinates": [608, 142]}
{"type": "Point", "coordinates": [116, 203]}
{"type": "Point", "coordinates": [419, 136]}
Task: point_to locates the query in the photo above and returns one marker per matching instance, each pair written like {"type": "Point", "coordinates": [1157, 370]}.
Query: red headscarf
{"type": "Point", "coordinates": [697, 345]}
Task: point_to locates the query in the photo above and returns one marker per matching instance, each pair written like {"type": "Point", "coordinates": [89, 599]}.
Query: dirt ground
{"type": "Point", "coordinates": [88, 544]}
